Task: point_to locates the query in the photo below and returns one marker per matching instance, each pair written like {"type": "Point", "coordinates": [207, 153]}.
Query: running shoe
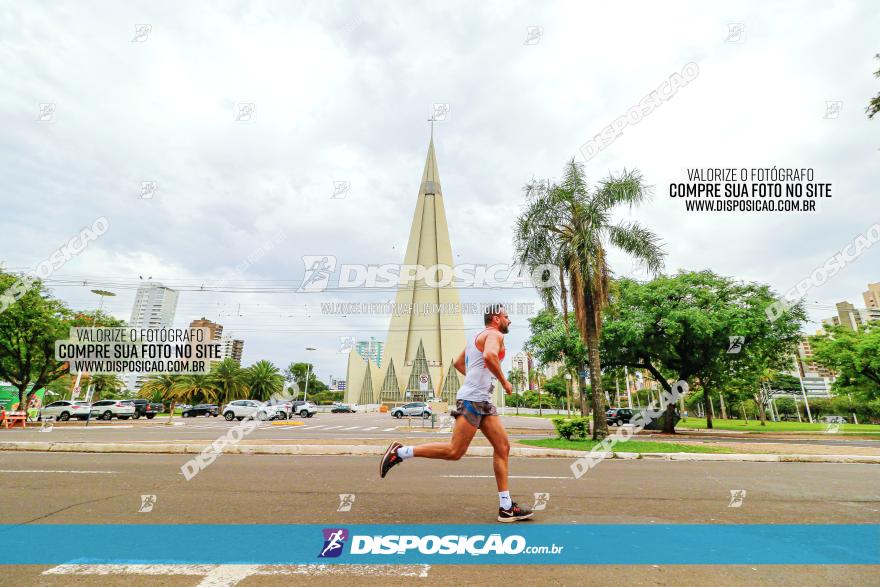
{"type": "Point", "coordinates": [514, 514]}
{"type": "Point", "coordinates": [389, 459]}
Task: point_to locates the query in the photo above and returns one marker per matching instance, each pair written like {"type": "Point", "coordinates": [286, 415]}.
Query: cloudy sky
{"type": "Point", "coordinates": [341, 93]}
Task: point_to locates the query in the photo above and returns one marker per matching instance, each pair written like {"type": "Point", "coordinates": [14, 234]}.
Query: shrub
{"type": "Point", "coordinates": [572, 428]}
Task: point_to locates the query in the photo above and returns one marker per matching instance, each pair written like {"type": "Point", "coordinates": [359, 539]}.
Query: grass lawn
{"type": "Point", "coordinates": [755, 426]}
{"type": "Point", "coordinates": [625, 446]}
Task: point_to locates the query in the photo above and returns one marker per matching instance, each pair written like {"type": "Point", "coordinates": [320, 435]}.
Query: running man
{"type": "Point", "coordinates": [480, 363]}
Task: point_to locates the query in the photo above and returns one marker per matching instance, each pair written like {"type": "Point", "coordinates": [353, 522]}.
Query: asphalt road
{"type": "Point", "coordinates": [370, 425]}
{"type": "Point", "coordinates": [44, 488]}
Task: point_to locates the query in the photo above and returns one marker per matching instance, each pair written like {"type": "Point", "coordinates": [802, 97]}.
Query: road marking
{"type": "Point", "coordinates": [316, 427]}
{"type": "Point", "coordinates": [370, 428]}
{"type": "Point", "coordinates": [350, 428]}
{"type": "Point", "coordinates": [229, 575]}
{"type": "Point", "coordinates": [332, 427]}
{"type": "Point", "coordinates": [511, 477]}
{"type": "Point", "coordinates": [389, 429]}
{"type": "Point", "coordinates": [47, 471]}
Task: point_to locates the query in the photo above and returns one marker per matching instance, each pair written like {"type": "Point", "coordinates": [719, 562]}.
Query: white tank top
{"type": "Point", "coordinates": [478, 380]}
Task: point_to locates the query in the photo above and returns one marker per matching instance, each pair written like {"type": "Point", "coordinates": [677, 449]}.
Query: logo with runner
{"type": "Point", "coordinates": [334, 541]}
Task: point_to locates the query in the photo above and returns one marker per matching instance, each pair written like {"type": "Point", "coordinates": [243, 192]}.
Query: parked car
{"type": "Point", "coordinates": [412, 409]}
{"type": "Point", "coordinates": [64, 410]}
{"type": "Point", "coordinates": [106, 409]}
{"type": "Point", "coordinates": [619, 416]}
{"type": "Point", "coordinates": [245, 408]}
{"type": "Point", "coordinates": [201, 410]}
{"type": "Point", "coordinates": [285, 407]}
{"type": "Point", "coordinates": [146, 408]}
{"type": "Point", "coordinates": [305, 409]}
{"type": "Point", "coordinates": [344, 409]}
{"type": "Point", "coordinates": [833, 419]}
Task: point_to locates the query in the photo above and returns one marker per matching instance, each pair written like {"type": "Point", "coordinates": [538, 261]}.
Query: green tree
{"type": "Point", "coordinates": [680, 327]}
{"type": "Point", "coordinates": [229, 381]}
{"type": "Point", "coordinates": [874, 105]}
{"type": "Point", "coordinates": [516, 378]}
{"type": "Point", "coordinates": [854, 355]}
{"type": "Point", "coordinates": [106, 386]}
{"type": "Point", "coordinates": [295, 374]}
{"type": "Point", "coordinates": [29, 327]}
{"type": "Point", "coordinates": [263, 379]}
{"type": "Point", "coordinates": [163, 387]}
{"type": "Point", "coordinates": [196, 388]}
{"type": "Point", "coordinates": [570, 227]}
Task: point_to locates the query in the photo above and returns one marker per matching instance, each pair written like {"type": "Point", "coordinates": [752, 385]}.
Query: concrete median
{"type": "Point", "coordinates": [366, 450]}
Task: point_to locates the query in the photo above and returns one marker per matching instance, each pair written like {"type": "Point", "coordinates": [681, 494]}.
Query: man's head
{"type": "Point", "coordinates": [495, 316]}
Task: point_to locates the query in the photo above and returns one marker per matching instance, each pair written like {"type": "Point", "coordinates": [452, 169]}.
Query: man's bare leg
{"type": "Point", "coordinates": [494, 431]}
{"type": "Point", "coordinates": [462, 435]}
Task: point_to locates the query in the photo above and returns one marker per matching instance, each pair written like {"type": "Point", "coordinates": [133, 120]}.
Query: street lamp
{"type": "Point", "coordinates": [104, 294]}
{"type": "Point", "coordinates": [308, 370]}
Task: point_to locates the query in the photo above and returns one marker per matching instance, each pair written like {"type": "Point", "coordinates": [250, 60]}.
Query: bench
{"type": "Point", "coordinates": [12, 418]}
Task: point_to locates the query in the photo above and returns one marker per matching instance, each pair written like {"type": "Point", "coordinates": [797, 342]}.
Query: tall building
{"type": "Point", "coordinates": [872, 296]}
{"type": "Point", "coordinates": [154, 307]}
{"type": "Point", "coordinates": [817, 379]}
{"type": "Point", "coordinates": [421, 346]}
{"type": "Point", "coordinates": [370, 350]}
{"type": "Point", "coordinates": [523, 361]}
{"type": "Point", "coordinates": [853, 318]}
{"type": "Point", "coordinates": [231, 348]}
{"type": "Point", "coordinates": [216, 329]}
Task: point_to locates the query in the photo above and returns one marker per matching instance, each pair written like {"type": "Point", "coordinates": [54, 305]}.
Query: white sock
{"type": "Point", "coordinates": [504, 499]}
{"type": "Point", "coordinates": [405, 452]}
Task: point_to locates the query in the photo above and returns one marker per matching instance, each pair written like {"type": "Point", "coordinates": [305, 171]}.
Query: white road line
{"type": "Point", "coordinates": [370, 428]}
{"type": "Point", "coordinates": [389, 429]}
{"type": "Point", "coordinates": [229, 575]}
{"type": "Point", "coordinates": [350, 428]}
{"type": "Point", "coordinates": [332, 427]}
{"type": "Point", "coordinates": [315, 427]}
{"type": "Point", "coordinates": [46, 471]}
{"type": "Point", "coordinates": [511, 476]}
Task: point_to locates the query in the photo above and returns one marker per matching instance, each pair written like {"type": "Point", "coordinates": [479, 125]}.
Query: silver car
{"type": "Point", "coordinates": [412, 409]}
{"type": "Point", "coordinates": [106, 409]}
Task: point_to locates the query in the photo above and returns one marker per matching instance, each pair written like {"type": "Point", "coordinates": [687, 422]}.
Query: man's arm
{"type": "Point", "coordinates": [459, 364]}
{"type": "Point", "coordinates": [491, 349]}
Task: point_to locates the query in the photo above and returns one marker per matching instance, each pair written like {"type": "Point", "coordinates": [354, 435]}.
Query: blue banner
{"type": "Point", "coordinates": [523, 543]}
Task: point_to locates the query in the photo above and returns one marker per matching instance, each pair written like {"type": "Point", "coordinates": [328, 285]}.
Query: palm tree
{"type": "Point", "coordinates": [106, 386]}
{"type": "Point", "coordinates": [263, 379]}
{"type": "Point", "coordinates": [164, 386]}
{"type": "Point", "coordinates": [229, 381]}
{"type": "Point", "coordinates": [570, 227]}
{"type": "Point", "coordinates": [516, 378]}
{"type": "Point", "coordinates": [197, 388]}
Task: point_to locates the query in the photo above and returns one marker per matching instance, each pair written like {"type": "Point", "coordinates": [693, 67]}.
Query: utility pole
{"type": "Point", "coordinates": [803, 390]}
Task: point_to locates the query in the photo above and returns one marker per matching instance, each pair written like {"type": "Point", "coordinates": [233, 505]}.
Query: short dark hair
{"type": "Point", "coordinates": [490, 312]}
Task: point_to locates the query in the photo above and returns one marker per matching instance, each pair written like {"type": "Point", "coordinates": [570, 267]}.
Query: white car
{"type": "Point", "coordinates": [106, 409]}
{"type": "Point", "coordinates": [64, 410]}
{"type": "Point", "coordinates": [306, 409]}
{"type": "Point", "coordinates": [248, 408]}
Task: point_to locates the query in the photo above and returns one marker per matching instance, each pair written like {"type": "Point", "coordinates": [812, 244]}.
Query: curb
{"type": "Point", "coordinates": [368, 450]}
